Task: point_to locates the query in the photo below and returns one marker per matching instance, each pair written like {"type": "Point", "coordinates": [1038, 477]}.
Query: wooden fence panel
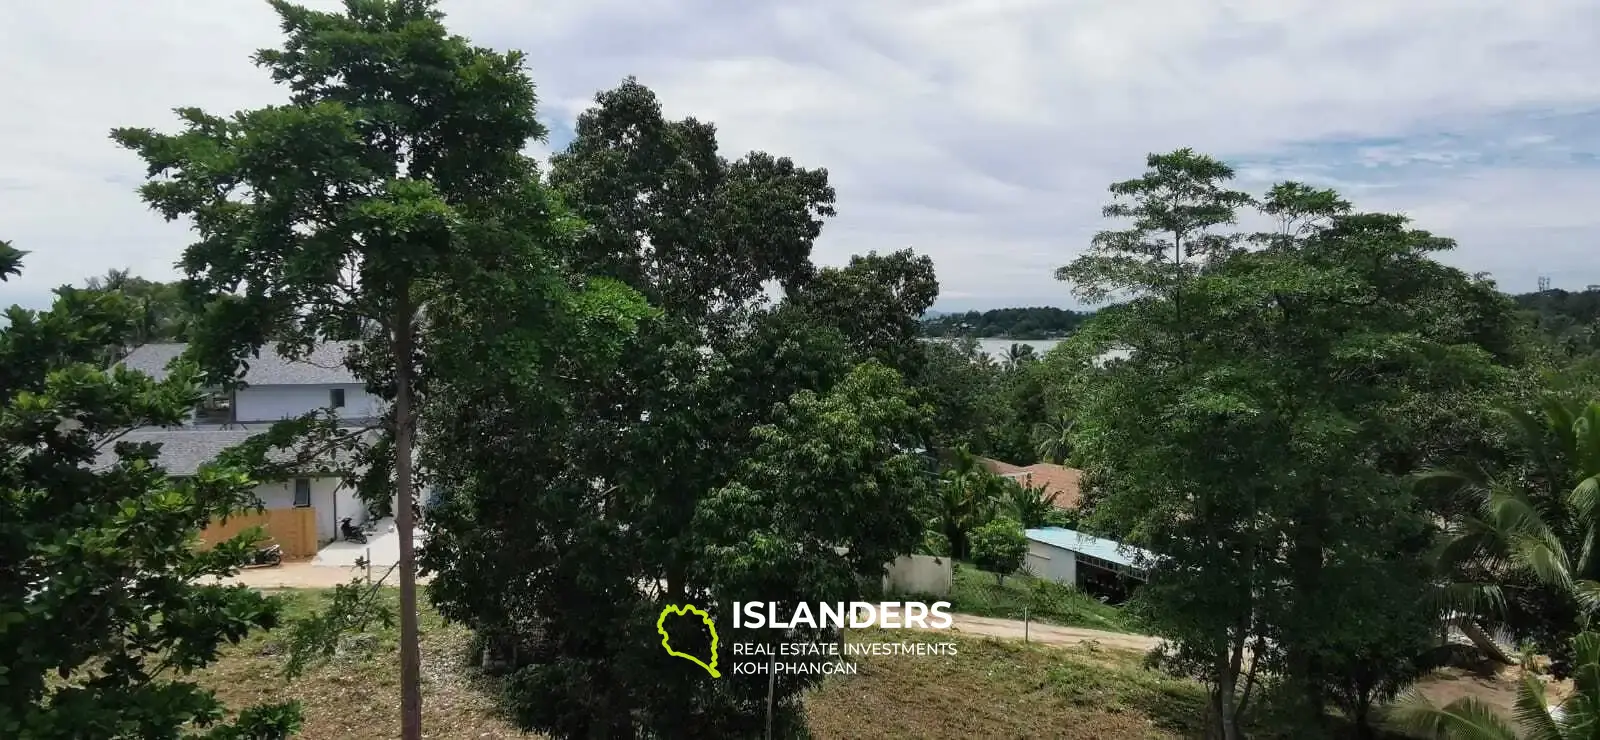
{"type": "Point", "coordinates": [295, 529]}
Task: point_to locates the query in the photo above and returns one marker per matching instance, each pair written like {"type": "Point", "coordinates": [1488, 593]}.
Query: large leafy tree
{"type": "Point", "coordinates": [1259, 435]}
{"type": "Point", "coordinates": [163, 313]}
{"type": "Point", "coordinates": [961, 389]}
{"type": "Point", "coordinates": [874, 301]}
{"type": "Point", "coordinates": [575, 518]}
{"type": "Point", "coordinates": [103, 605]}
{"type": "Point", "coordinates": [394, 169]}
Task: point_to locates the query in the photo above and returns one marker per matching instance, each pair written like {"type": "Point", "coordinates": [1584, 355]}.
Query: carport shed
{"type": "Point", "coordinates": [1086, 562]}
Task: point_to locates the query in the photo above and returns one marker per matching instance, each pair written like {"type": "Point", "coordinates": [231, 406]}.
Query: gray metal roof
{"type": "Point", "coordinates": [1108, 550]}
{"type": "Point", "coordinates": [324, 365]}
{"type": "Point", "coordinates": [184, 450]}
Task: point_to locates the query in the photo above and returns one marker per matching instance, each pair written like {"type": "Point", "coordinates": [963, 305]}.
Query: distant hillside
{"type": "Point", "coordinates": [1571, 318]}
{"type": "Point", "coordinates": [1041, 322]}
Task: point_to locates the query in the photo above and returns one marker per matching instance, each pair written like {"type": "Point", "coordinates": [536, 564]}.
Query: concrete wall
{"type": "Point", "coordinates": [274, 402]}
{"type": "Point", "coordinates": [328, 498]}
{"type": "Point", "coordinates": [1052, 563]}
{"type": "Point", "coordinates": [918, 574]}
{"type": "Point", "coordinates": [345, 504]}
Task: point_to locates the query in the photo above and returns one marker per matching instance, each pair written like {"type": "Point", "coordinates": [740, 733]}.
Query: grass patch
{"type": "Point", "coordinates": [975, 592]}
{"type": "Point", "coordinates": [356, 694]}
{"type": "Point", "coordinates": [990, 689]}
{"type": "Point", "coordinates": [1002, 689]}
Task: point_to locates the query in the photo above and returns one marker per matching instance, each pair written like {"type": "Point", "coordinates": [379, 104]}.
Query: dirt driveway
{"type": "Point", "coordinates": [304, 574]}
{"type": "Point", "coordinates": [1050, 634]}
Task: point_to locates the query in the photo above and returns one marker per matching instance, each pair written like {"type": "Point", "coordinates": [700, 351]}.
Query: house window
{"type": "Point", "coordinates": [336, 397]}
{"type": "Point", "coordinates": [302, 492]}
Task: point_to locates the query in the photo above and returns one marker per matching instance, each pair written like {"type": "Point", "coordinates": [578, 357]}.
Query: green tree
{"type": "Point", "coordinates": [103, 605]}
{"type": "Point", "coordinates": [1259, 407]}
{"type": "Point", "coordinates": [873, 301]}
{"type": "Point", "coordinates": [999, 547]}
{"type": "Point", "coordinates": [1031, 505]}
{"type": "Point", "coordinates": [162, 310]}
{"type": "Point", "coordinates": [396, 166]}
{"type": "Point", "coordinates": [967, 497]}
{"type": "Point", "coordinates": [1018, 354]}
{"type": "Point", "coordinates": [1013, 323]}
{"type": "Point", "coordinates": [961, 390]}
{"type": "Point", "coordinates": [576, 515]}
{"type": "Point", "coordinates": [1054, 440]}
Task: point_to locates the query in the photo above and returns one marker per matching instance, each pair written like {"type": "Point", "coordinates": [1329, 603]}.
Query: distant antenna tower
{"type": "Point", "coordinates": [1544, 283]}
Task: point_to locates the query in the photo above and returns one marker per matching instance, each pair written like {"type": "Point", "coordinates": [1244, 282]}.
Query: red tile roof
{"type": "Point", "coordinates": [1060, 480]}
{"type": "Point", "coordinates": [997, 467]}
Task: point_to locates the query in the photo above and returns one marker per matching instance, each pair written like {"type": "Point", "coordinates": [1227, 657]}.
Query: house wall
{"type": "Point", "coordinates": [1052, 563]}
{"type": "Point", "coordinates": [346, 504]}
{"type": "Point", "coordinates": [274, 402]}
{"type": "Point", "coordinates": [918, 574]}
{"type": "Point", "coordinates": [326, 500]}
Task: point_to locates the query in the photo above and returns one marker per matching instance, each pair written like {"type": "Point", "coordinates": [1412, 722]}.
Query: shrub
{"type": "Point", "coordinates": [999, 547]}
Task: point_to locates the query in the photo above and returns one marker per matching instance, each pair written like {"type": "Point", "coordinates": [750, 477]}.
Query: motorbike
{"type": "Point", "coordinates": [266, 557]}
{"type": "Point", "coordinates": [351, 532]}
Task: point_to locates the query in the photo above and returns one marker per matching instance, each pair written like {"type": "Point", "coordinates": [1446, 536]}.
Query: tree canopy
{"type": "Point", "coordinates": [104, 608]}
{"type": "Point", "coordinates": [1042, 322]}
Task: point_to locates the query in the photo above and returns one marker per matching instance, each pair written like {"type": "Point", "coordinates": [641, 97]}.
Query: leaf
{"type": "Point", "coordinates": [1464, 719]}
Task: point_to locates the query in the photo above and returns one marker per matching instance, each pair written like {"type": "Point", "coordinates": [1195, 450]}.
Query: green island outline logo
{"type": "Point", "coordinates": [661, 628]}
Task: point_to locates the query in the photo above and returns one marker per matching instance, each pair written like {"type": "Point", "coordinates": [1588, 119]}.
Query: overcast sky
{"type": "Point", "coordinates": [981, 132]}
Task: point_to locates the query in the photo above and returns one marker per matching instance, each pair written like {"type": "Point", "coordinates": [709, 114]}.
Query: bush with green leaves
{"type": "Point", "coordinates": [999, 547]}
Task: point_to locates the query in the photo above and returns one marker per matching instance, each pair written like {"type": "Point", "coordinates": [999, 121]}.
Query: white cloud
{"type": "Point", "coordinates": [982, 132]}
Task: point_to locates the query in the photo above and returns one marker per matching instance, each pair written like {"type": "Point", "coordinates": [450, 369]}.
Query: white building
{"type": "Point", "coordinates": [1082, 561]}
{"type": "Point", "coordinates": [275, 388]}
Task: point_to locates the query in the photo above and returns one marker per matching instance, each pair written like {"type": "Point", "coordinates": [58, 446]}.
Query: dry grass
{"type": "Point", "coordinates": [990, 689]}
{"type": "Point", "coordinates": [356, 694]}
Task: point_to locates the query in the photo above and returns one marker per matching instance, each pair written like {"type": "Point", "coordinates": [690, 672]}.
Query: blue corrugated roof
{"type": "Point", "coordinates": [1068, 539]}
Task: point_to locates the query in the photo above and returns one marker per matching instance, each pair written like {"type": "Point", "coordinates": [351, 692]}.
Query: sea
{"type": "Point", "coordinates": [996, 346]}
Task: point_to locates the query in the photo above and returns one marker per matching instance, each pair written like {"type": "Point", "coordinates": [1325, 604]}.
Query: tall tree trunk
{"type": "Point", "coordinates": [410, 654]}
{"type": "Point", "coordinates": [1228, 682]}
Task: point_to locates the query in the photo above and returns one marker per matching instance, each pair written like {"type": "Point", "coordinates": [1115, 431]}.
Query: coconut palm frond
{"type": "Point", "coordinates": [1467, 600]}
{"type": "Point", "coordinates": [1543, 557]}
{"type": "Point", "coordinates": [1532, 711]}
{"type": "Point", "coordinates": [1585, 674]}
{"type": "Point", "coordinates": [1463, 719]}
{"type": "Point", "coordinates": [1515, 515]}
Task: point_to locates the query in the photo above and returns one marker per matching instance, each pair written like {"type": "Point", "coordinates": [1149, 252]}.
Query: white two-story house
{"type": "Point", "coordinates": [275, 388]}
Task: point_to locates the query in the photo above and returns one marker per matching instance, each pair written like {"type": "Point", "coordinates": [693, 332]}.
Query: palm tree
{"type": "Point", "coordinates": [1030, 504]}
{"type": "Point", "coordinates": [1054, 443]}
{"type": "Point", "coordinates": [1018, 354]}
{"type": "Point", "coordinates": [1470, 719]}
{"type": "Point", "coordinates": [1530, 531]}
{"type": "Point", "coordinates": [967, 497]}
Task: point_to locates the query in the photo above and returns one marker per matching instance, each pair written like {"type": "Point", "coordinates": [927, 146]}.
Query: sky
{"type": "Point", "coordinates": [980, 132]}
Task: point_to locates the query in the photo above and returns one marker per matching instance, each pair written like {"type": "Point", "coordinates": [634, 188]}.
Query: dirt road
{"type": "Point", "coordinates": [306, 575]}
{"type": "Point", "coordinates": [1050, 634]}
